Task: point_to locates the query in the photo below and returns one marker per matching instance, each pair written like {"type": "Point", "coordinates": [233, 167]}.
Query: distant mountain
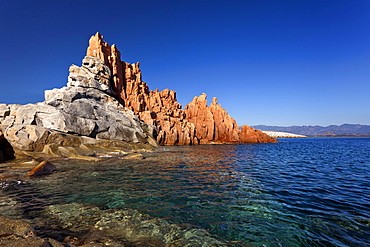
{"type": "Point", "coordinates": [344, 129]}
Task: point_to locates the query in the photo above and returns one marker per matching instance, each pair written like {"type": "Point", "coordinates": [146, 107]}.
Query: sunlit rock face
{"type": "Point", "coordinates": [213, 123]}
{"type": "Point", "coordinates": [197, 124]}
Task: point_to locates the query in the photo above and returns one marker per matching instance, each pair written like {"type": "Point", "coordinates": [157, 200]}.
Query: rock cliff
{"type": "Point", "coordinates": [197, 124]}
{"type": "Point", "coordinates": [80, 115]}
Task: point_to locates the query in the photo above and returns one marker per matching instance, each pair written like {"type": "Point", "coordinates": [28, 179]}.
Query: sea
{"type": "Point", "coordinates": [298, 192]}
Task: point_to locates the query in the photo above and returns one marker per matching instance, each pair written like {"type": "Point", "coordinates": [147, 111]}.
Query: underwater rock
{"type": "Point", "coordinates": [16, 228]}
{"type": "Point", "coordinates": [125, 227]}
{"type": "Point", "coordinates": [18, 233]}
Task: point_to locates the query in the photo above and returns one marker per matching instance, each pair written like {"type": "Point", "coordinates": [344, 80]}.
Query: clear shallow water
{"type": "Point", "coordinates": [299, 192]}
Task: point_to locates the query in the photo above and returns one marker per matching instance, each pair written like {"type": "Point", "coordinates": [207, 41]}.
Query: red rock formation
{"type": "Point", "coordinates": [214, 125]}
{"type": "Point", "coordinates": [197, 124]}
{"type": "Point", "coordinates": [251, 135]}
{"type": "Point", "coordinates": [153, 107]}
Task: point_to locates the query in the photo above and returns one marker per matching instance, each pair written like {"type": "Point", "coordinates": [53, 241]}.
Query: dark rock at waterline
{"type": "Point", "coordinates": [6, 150]}
{"type": "Point", "coordinates": [43, 168]}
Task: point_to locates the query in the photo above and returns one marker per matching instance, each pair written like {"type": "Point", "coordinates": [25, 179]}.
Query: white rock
{"type": "Point", "coordinates": [276, 134]}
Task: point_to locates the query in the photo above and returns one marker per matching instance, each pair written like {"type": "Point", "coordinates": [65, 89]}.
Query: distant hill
{"type": "Point", "coordinates": [344, 129]}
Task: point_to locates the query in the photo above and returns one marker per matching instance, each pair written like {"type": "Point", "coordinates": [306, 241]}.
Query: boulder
{"type": "Point", "coordinates": [43, 168]}
{"type": "Point", "coordinates": [27, 137]}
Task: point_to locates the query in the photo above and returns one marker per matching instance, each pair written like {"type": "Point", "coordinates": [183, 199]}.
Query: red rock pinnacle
{"type": "Point", "coordinates": [197, 124]}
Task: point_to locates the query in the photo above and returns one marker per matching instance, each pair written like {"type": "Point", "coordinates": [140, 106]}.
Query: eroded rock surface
{"type": "Point", "coordinates": [197, 124]}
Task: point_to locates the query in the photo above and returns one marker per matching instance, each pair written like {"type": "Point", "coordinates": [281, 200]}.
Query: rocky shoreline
{"type": "Point", "coordinates": [106, 111]}
{"type": "Point", "coordinates": [106, 104]}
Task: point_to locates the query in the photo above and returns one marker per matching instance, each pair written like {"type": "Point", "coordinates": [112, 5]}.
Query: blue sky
{"type": "Point", "coordinates": [273, 62]}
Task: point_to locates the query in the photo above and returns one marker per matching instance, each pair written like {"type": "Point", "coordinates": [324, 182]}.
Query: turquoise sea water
{"type": "Point", "coordinates": [299, 192]}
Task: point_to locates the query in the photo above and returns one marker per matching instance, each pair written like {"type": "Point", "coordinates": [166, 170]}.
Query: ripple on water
{"type": "Point", "coordinates": [300, 192]}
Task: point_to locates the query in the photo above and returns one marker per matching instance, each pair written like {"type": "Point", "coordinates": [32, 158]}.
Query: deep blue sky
{"type": "Point", "coordinates": [273, 62]}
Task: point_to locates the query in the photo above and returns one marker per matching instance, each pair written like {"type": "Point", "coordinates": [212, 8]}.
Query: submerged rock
{"type": "Point", "coordinates": [89, 224]}
{"type": "Point", "coordinates": [15, 228]}
{"type": "Point", "coordinates": [18, 233]}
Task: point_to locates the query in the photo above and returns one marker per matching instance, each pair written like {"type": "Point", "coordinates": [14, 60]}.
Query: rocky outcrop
{"type": "Point", "coordinates": [81, 114]}
{"type": "Point", "coordinates": [160, 109]}
{"type": "Point", "coordinates": [213, 124]}
{"type": "Point", "coordinates": [106, 103]}
{"type": "Point", "coordinates": [197, 124]}
{"type": "Point", "coordinates": [251, 135]}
